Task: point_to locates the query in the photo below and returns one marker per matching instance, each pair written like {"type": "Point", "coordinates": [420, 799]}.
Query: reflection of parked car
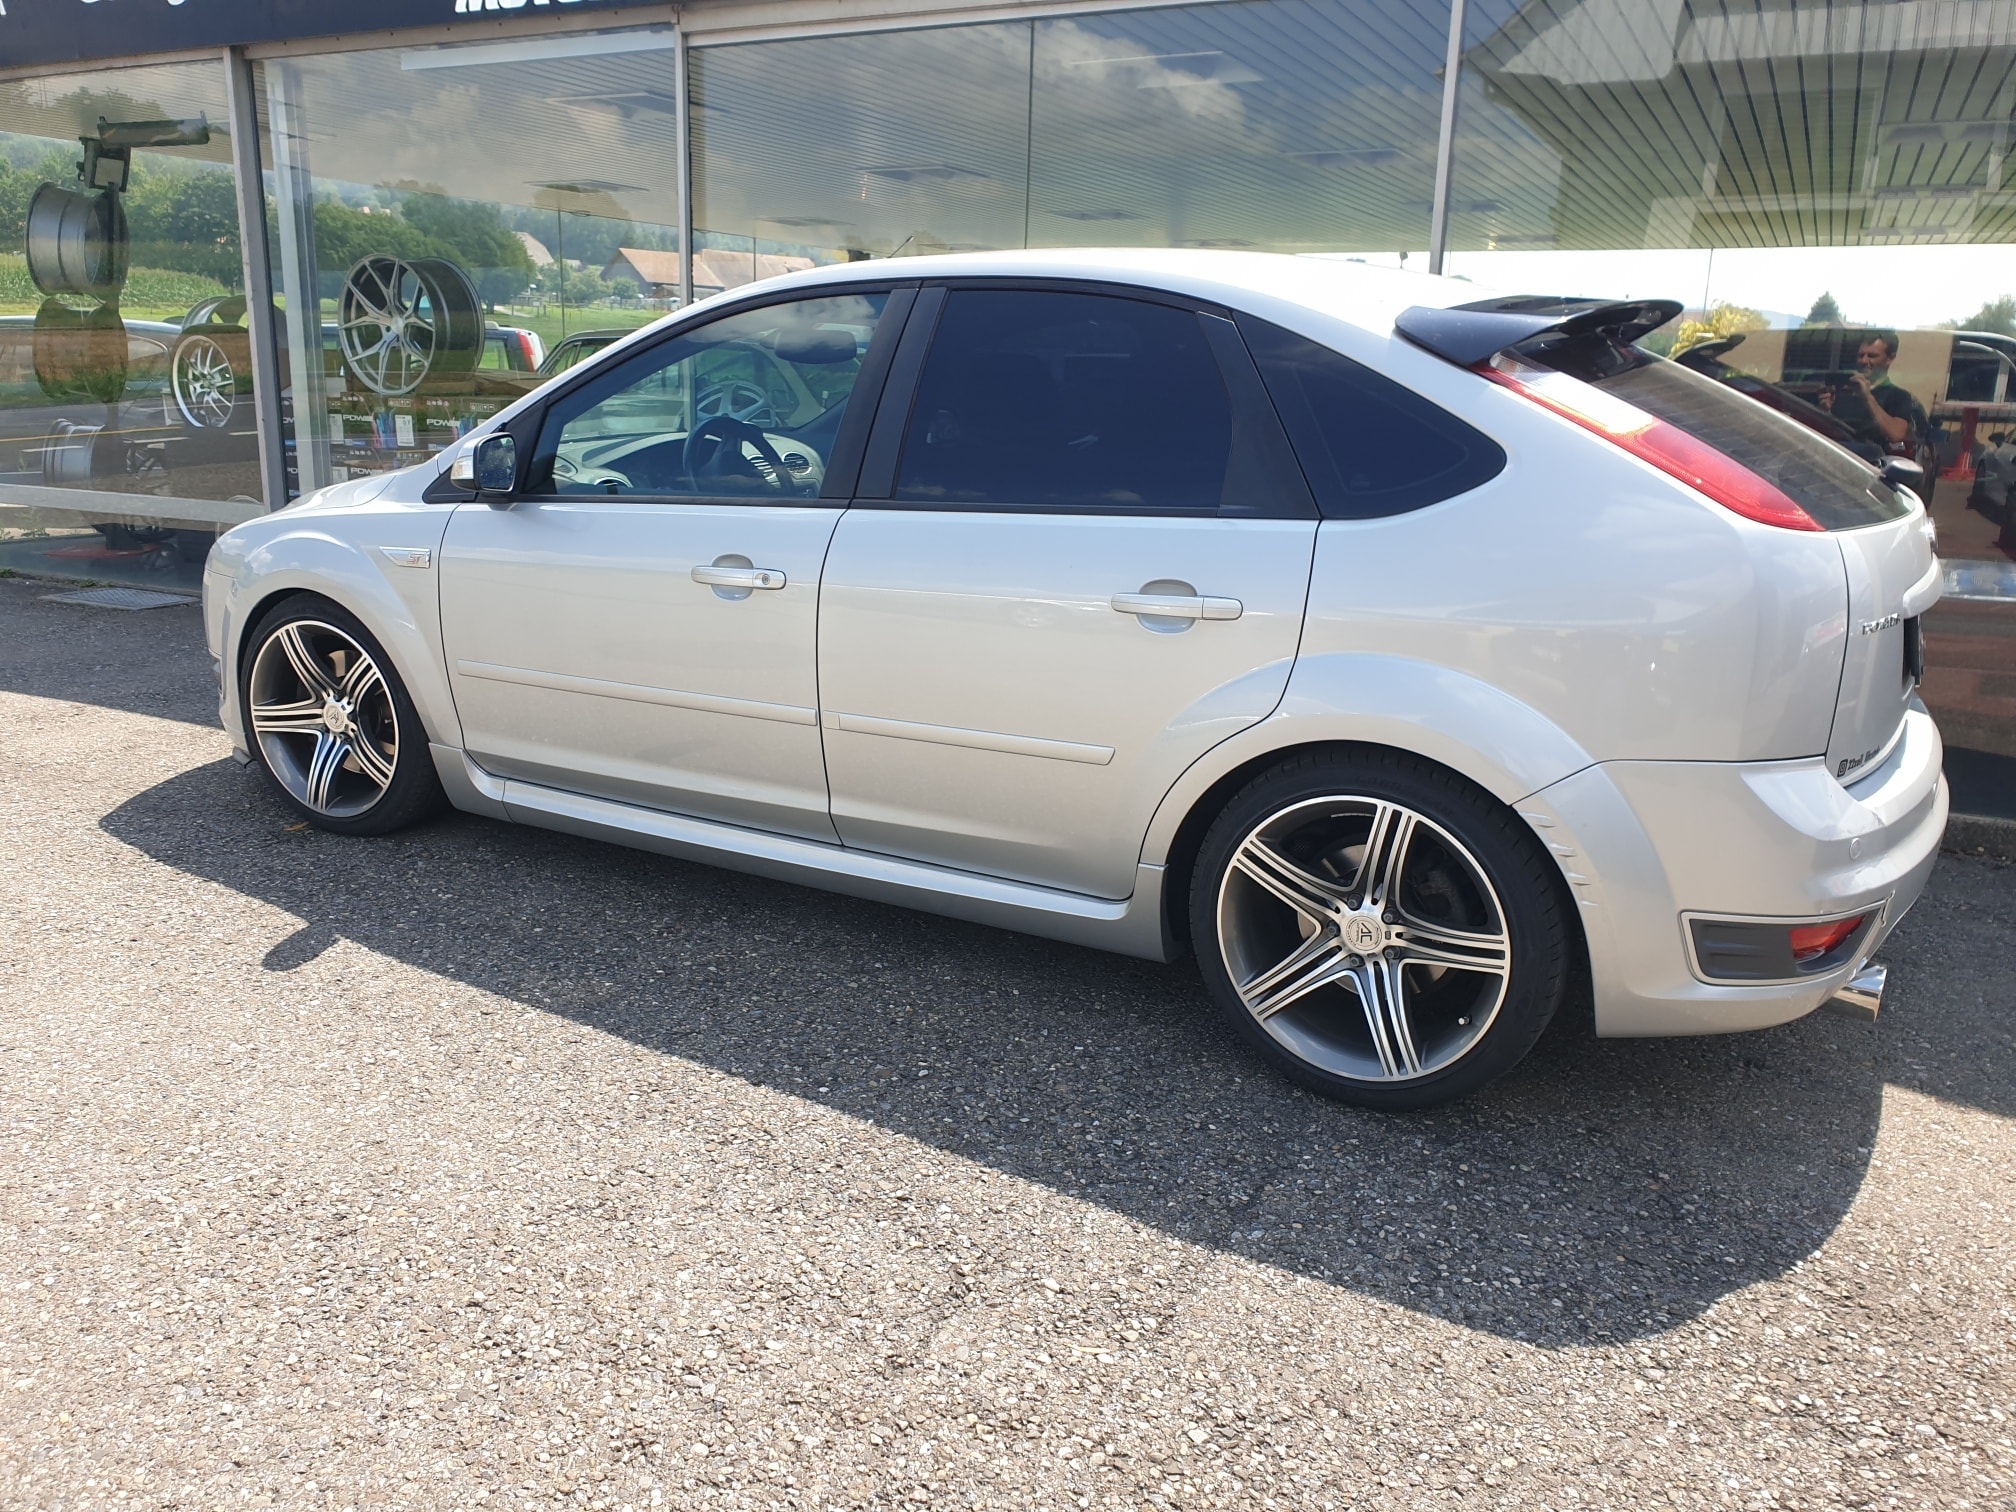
{"type": "Point", "coordinates": [572, 349]}
{"type": "Point", "coordinates": [1164, 602]}
{"type": "Point", "coordinates": [74, 392]}
{"type": "Point", "coordinates": [1706, 358]}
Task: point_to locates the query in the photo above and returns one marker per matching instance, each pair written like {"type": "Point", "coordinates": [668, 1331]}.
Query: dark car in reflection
{"type": "Point", "coordinates": [1706, 358]}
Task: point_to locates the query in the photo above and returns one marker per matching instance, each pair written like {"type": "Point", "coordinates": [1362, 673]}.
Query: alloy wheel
{"type": "Point", "coordinates": [1364, 938]}
{"type": "Point", "coordinates": [206, 385]}
{"type": "Point", "coordinates": [324, 718]}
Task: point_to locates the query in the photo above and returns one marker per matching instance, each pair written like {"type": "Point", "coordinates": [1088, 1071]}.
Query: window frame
{"type": "Point", "coordinates": [842, 467]}
{"type": "Point", "coordinates": [1252, 412]}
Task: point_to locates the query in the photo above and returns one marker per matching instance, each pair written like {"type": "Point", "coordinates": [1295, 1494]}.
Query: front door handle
{"type": "Point", "coordinates": [1178, 606]}
{"type": "Point", "coordinates": [739, 577]}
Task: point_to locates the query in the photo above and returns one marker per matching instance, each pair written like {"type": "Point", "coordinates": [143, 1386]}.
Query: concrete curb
{"type": "Point", "coordinates": [1971, 835]}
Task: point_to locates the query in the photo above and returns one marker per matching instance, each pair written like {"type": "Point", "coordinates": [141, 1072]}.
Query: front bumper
{"type": "Point", "coordinates": [1643, 843]}
{"type": "Point", "coordinates": [217, 635]}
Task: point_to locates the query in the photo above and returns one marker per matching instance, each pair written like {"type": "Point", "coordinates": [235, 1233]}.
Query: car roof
{"type": "Point", "coordinates": [1331, 284]}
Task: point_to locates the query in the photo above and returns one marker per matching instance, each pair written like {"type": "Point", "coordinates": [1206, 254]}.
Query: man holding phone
{"type": "Point", "coordinates": [1880, 412]}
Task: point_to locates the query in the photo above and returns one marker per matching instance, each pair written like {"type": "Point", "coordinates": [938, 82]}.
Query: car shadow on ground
{"type": "Point", "coordinates": [1686, 1168]}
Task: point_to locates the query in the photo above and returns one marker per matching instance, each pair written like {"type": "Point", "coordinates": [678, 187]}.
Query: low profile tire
{"type": "Point", "coordinates": [331, 723]}
{"type": "Point", "coordinates": [1381, 931]}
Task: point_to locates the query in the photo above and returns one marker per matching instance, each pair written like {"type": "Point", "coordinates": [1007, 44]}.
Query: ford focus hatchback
{"type": "Point", "coordinates": [1403, 656]}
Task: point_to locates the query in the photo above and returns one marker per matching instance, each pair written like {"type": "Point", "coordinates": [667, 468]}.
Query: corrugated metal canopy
{"type": "Point", "coordinates": [1709, 123]}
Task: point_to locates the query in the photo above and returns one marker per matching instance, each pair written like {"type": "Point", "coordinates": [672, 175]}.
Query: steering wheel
{"type": "Point", "coordinates": [727, 435]}
{"type": "Point", "coordinates": [737, 399]}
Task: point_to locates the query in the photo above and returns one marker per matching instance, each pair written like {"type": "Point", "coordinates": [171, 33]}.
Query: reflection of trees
{"type": "Point", "coordinates": [182, 216]}
{"type": "Point", "coordinates": [467, 233]}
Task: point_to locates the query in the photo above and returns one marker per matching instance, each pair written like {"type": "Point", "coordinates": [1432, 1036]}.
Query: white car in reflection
{"type": "Point", "coordinates": [1409, 658]}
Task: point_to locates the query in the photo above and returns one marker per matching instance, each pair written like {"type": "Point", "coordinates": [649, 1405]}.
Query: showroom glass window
{"type": "Point", "coordinates": [124, 371]}
{"type": "Point", "coordinates": [749, 406]}
{"type": "Point", "coordinates": [1068, 401]}
{"type": "Point", "coordinates": [1284, 125]}
{"type": "Point", "coordinates": [445, 216]}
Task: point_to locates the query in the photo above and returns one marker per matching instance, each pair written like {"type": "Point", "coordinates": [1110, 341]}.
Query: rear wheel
{"type": "Point", "coordinates": [1378, 929]}
{"type": "Point", "coordinates": [333, 726]}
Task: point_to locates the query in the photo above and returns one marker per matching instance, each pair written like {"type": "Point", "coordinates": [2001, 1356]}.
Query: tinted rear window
{"type": "Point", "coordinates": [1368, 446]}
{"type": "Point", "coordinates": [1838, 489]}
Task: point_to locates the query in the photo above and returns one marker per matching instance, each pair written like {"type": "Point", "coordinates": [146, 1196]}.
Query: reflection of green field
{"type": "Point", "coordinates": [553, 327]}
{"type": "Point", "coordinates": [171, 313]}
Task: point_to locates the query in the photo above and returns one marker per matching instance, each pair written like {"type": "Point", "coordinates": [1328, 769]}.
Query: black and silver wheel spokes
{"type": "Point", "coordinates": [1364, 938]}
{"type": "Point", "coordinates": [324, 719]}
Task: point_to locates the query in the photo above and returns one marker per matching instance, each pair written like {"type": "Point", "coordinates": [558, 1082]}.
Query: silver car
{"type": "Point", "coordinates": [1412, 658]}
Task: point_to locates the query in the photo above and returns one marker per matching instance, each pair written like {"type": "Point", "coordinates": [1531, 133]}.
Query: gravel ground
{"type": "Point", "coordinates": [485, 1167]}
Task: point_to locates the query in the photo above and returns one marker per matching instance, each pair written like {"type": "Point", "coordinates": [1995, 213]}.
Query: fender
{"type": "Point", "coordinates": [1506, 747]}
{"type": "Point", "coordinates": [399, 605]}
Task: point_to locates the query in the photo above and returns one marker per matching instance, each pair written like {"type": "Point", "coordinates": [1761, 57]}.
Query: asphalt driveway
{"type": "Point", "coordinates": [482, 1166]}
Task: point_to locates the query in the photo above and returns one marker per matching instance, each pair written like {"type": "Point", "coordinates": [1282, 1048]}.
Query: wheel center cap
{"type": "Point", "coordinates": [335, 717]}
{"type": "Point", "coordinates": [1364, 933]}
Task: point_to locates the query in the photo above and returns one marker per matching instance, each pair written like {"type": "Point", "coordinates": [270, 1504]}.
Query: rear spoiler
{"type": "Point", "coordinates": [1472, 333]}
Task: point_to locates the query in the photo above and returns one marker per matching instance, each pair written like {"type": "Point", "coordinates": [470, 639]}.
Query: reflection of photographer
{"type": "Point", "coordinates": [1880, 413]}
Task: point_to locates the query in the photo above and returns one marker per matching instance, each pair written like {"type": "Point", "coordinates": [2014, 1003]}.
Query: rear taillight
{"type": "Point", "coordinates": [1665, 445]}
{"type": "Point", "coordinates": [1811, 941]}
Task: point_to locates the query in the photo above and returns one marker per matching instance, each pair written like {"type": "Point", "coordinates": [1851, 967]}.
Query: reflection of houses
{"type": "Point", "coordinates": [1705, 123]}
{"type": "Point", "coordinates": [656, 274]}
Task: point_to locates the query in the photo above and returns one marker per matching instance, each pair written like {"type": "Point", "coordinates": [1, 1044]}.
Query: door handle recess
{"type": "Point", "coordinates": [1178, 606]}
{"type": "Point", "coordinates": [739, 577]}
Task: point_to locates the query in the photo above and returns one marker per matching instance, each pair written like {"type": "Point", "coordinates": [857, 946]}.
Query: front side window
{"type": "Point", "coordinates": [1067, 401]}
{"type": "Point", "coordinates": [747, 406]}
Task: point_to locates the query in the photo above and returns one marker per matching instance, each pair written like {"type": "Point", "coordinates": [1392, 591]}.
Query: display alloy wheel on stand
{"type": "Point", "coordinates": [400, 323]}
{"type": "Point", "coordinates": [208, 373]}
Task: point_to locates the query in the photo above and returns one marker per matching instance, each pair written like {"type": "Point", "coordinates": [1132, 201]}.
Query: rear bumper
{"type": "Point", "coordinates": [1643, 843]}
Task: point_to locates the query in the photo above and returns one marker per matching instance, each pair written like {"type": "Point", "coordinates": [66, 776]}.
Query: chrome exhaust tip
{"type": "Point", "coordinates": [1861, 996]}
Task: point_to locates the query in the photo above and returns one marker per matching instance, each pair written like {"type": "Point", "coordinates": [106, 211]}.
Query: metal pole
{"type": "Point", "coordinates": [683, 138]}
{"type": "Point", "coordinates": [294, 195]}
{"type": "Point", "coordinates": [242, 105]}
{"type": "Point", "coordinates": [1445, 144]}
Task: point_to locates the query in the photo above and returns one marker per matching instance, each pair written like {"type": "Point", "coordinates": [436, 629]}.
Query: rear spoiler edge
{"type": "Point", "coordinates": [1472, 333]}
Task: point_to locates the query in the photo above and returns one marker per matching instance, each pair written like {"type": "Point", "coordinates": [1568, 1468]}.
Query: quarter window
{"type": "Point", "coordinates": [748, 406]}
{"type": "Point", "coordinates": [1067, 401]}
{"type": "Point", "coordinates": [1368, 446]}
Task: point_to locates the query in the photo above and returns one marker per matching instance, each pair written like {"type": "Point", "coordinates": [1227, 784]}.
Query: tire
{"type": "Point", "coordinates": [80, 354]}
{"type": "Point", "coordinates": [361, 769]}
{"type": "Point", "coordinates": [1462, 947]}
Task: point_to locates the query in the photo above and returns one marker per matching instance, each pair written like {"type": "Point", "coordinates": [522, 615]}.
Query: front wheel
{"type": "Point", "coordinates": [332, 725]}
{"type": "Point", "coordinates": [1381, 931]}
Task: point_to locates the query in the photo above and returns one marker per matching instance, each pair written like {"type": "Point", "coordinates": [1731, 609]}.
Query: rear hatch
{"type": "Point", "coordinates": [1771, 469]}
{"type": "Point", "coordinates": [1893, 578]}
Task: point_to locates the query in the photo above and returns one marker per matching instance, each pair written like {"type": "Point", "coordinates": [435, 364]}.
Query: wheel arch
{"type": "Point", "coordinates": [405, 624]}
{"type": "Point", "coordinates": [1350, 702]}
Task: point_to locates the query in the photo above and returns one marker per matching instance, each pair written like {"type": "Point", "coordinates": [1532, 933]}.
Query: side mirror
{"type": "Point", "coordinates": [1902, 472]}
{"type": "Point", "coordinates": [492, 468]}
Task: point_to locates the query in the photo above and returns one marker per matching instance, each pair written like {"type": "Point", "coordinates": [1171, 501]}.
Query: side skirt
{"type": "Point", "coordinates": [1130, 926]}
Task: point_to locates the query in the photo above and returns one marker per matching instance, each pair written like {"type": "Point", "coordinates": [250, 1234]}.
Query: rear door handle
{"type": "Point", "coordinates": [739, 577]}
{"type": "Point", "coordinates": [1178, 606]}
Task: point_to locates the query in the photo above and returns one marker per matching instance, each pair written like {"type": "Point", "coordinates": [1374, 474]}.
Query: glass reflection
{"type": "Point", "coordinates": [842, 148]}
{"type": "Point", "coordinates": [438, 274]}
{"type": "Point", "coordinates": [123, 361]}
{"type": "Point", "coordinates": [1287, 125]}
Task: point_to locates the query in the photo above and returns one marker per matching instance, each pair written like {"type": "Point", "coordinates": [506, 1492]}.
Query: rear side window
{"type": "Point", "coordinates": [1057, 400]}
{"type": "Point", "coordinates": [1837, 488]}
{"type": "Point", "coordinates": [1368, 446]}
